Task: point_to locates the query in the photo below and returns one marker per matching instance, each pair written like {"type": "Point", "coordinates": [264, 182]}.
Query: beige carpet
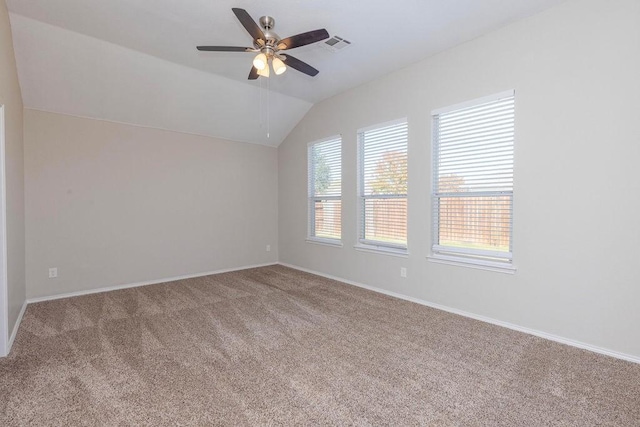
{"type": "Point", "coordinates": [274, 346]}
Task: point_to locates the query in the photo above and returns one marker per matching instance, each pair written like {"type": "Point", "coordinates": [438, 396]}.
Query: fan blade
{"type": "Point", "coordinates": [225, 49]}
{"type": "Point", "coordinates": [303, 39]}
{"type": "Point", "coordinates": [248, 23]}
{"type": "Point", "coordinates": [253, 74]}
{"type": "Point", "coordinates": [296, 64]}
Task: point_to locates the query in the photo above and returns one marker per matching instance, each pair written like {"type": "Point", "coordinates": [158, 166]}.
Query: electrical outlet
{"type": "Point", "coordinates": [268, 248]}
{"type": "Point", "coordinates": [403, 271]}
{"type": "Point", "coordinates": [53, 272]}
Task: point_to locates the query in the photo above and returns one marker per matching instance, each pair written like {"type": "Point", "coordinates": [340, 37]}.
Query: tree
{"type": "Point", "coordinates": [450, 183]}
{"type": "Point", "coordinates": [322, 172]}
{"type": "Point", "coordinates": [391, 174]}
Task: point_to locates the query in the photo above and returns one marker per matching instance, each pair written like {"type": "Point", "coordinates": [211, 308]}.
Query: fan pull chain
{"type": "Point", "coordinates": [261, 114]}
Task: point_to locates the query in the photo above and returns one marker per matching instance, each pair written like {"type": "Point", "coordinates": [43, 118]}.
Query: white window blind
{"type": "Point", "coordinates": [325, 189]}
{"type": "Point", "coordinates": [383, 185]}
{"type": "Point", "coordinates": [473, 180]}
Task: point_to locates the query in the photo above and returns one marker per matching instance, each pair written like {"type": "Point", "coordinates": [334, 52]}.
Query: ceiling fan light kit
{"type": "Point", "coordinates": [269, 46]}
{"type": "Point", "coordinates": [264, 72]}
{"type": "Point", "coordinates": [278, 66]}
{"type": "Point", "coordinates": [260, 61]}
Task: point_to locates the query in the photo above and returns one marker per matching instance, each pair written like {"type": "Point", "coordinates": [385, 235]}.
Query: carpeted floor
{"type": "Point", "coordinates": [275, 346]}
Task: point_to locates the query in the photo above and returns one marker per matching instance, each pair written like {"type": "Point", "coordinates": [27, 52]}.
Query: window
{"type": "Point", "coordinates": [472, 191]}
{"type": "Point", "coordinates": [382, 187]}
{"type": "Point", "coordinates": [325, 190]}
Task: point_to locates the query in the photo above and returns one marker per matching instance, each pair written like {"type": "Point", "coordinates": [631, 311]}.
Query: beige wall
{"type": "Point", "coordinates": [575, 71]}
{"type": "Point", "coordinates": [111, 204]}
{"type": "Point", "coordinates": [11, 98]}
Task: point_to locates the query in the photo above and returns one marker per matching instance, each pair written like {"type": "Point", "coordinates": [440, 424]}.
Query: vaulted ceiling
{"type": "Point", "coordinates": [135, 61]}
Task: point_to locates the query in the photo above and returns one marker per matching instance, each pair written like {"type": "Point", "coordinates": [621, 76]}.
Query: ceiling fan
{"type": "Point", "coordinates": [269, 46]}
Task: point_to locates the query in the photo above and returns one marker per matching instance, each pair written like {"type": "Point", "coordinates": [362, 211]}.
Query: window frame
{"type": "Point", "coordinates": [369, 245]}
{"type": "Point", "coordinates": [467, 257]}
{"type": "Point", "coordinates": [312, 197]}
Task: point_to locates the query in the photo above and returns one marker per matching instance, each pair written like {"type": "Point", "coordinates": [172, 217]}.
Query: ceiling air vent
{"type": "Point", "coordinates": [335, 43]}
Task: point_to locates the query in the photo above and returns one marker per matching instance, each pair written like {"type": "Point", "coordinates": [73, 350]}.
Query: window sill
{"type": "Point", "coordinates": [382, 250]}
{"type": "Point", "coordinates": [497, 267]}
{"type": "Point", "coordinates": [325, 242]}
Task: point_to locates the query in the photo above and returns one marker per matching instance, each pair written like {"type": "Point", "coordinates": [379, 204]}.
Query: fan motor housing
{"type": "Point", "coordinates": [267, 23]}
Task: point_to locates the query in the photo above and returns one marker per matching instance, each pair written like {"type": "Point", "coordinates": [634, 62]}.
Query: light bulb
{"type": "Point", "coordinates": [260, 61]}
{"type": "Point", "coordinates": [278, 66]}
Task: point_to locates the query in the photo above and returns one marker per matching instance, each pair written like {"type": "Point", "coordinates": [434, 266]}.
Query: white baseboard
{"type": "Point", "coordinates": [145, 283]}
{"type": "Point", "coordinates": [545, 335]}
{"type": "Point", "coordinates": [16, 326]}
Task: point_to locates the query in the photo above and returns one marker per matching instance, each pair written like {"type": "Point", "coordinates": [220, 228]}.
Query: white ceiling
{"type": "Point", "coordinates": [136, 62]}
